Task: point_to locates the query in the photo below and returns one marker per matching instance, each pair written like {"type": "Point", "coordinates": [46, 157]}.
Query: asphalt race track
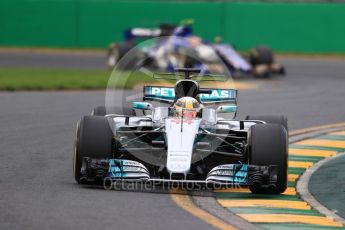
{"type": "Point", "coordinates": [36, 131]}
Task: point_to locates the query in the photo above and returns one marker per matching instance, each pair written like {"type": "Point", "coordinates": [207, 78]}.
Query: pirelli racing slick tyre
{"type": "Point", "coordinates": [271, 119]}
{"type": "Point", "coordinates": [261, 55]}
{"type": "Point", "coordinates": [93, 139]}
{"type": "Point", "coordinates": [268, 145]}
{"type": "Point", "coordinates": [102, 111]}
{"type": "Point", "coordinates": [261, 59]}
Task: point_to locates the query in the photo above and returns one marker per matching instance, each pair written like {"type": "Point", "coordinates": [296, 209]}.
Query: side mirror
{"type": "Point", "coordinates": [159, 113]}
{"type": "Point", "coordinates": [142, 106]}
{"type": "Point", "coordinates": [227, 109]}
{"type": "Point", "coordinates": [209, 115]}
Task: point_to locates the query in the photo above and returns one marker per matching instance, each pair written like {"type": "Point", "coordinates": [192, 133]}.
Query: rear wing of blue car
{"type": "Point", "coordinates": [167, 95]}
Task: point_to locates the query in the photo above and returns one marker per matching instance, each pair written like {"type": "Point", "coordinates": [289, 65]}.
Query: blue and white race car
{"type": "Point", "coordinates": [176, 47]}
{"type": "Point", "coordinates": [186, 141]}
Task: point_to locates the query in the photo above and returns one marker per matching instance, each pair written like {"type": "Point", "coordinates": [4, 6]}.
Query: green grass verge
{"type": "Point", "coordinates": [14, 79]}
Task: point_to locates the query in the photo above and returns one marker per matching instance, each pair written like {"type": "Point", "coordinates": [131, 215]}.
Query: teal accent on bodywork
{"type": "Point", "coordinates": [168, 93]}
{"type": "Point", "coordinates": [239, 175]}
{"type": "Point", "coordinates": [227, 109]}
{"type": "Point", "coordinates": [116, 168]}
{"type": "Point", "coordinates": [141, 105]}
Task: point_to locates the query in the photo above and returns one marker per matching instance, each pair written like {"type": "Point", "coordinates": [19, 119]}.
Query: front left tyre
{"type": "Point", "coordinates": [268, 145]}
{"type": "Point", "coordinates": [93, 139]}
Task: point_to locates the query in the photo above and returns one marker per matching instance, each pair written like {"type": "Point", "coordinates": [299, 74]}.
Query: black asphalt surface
{"type": "Point", "coordinates": [37, 190]}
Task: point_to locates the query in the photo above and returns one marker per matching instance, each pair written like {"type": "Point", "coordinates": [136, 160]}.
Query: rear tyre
{"type": "Point", "coordinates": [102, 111]}
{"type": "Point", "coordinates": [268, 145]}
{"type": "Point", "coordinates": [271, 119]}
{"type": "Point", "coordinates": [93, 139]}
{"type": "Point", "coordinates": [261, 58]}
{"type": "Point", "coordinates": [261, 55]}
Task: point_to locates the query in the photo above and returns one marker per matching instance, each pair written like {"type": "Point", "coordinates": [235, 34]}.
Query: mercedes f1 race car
{"type": "Point", "coordinates": [187, 140]}
{"type": "Point", "coordinates": [169, 47]}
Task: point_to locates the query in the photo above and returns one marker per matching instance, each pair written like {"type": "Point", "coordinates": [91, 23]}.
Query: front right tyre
{"type": "Point", "coordinates": [93, 139]}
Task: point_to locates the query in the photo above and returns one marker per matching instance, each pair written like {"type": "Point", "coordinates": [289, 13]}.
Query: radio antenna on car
{"type": "Point", "coordinates": [182, 121]}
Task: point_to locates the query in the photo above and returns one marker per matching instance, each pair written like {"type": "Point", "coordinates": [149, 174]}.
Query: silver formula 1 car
{"type": "Point", "coordinates": [187, 141]}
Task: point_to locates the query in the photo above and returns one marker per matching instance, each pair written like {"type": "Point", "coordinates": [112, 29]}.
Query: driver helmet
{"type": "Point", "coordinates": [187, 107]}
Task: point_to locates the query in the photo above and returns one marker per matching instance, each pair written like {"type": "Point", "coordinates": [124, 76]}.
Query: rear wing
{"type": "Point", "coordinates": [141, 33]}
{"type": "Point", "coordinates": [167, 95]}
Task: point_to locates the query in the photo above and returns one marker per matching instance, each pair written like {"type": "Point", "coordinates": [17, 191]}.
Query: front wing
{"type": "Point", "coordinates": [222, 175]}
